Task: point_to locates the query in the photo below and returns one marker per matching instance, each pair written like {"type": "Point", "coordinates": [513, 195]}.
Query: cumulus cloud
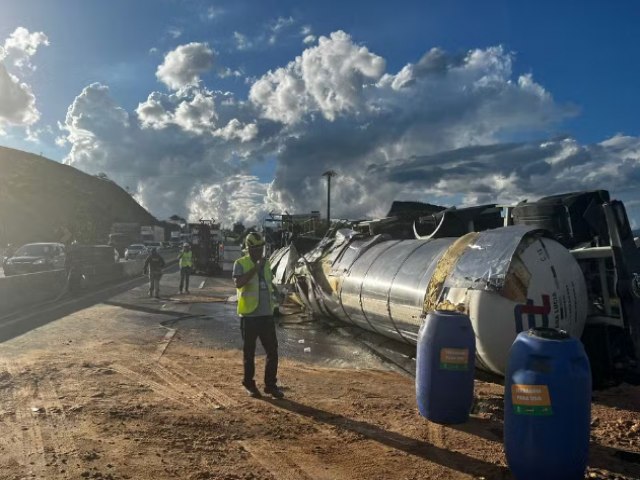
{"type": "Point", "coordinates": [17, 100]}
{"type": "Point", "coordinates": [330, 79]}
{"type": "Point", "coordinates": [170, 150]}
{"type": "Point", "coordinates": [21, 46]}
{"type": "Point", "coordinates": [235, 129]}
{"type": "Point", "coordinates": [436, 130]}
{"type": "Point", "coordinates": [241, 197]}
{"type": "Point", "coordinates": [184, 66]}
{"type": "Point", "coordinates": [342, 111]}
{"type": "Point", "coordinates": [191, 110]}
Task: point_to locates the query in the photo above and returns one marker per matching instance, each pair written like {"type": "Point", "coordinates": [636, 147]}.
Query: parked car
{"type": "Point", "coordinates": [137, 250]}
{"type": "Point", "coordinates": [35, 257]}
{"type": "Point", "coordinates": [92, 255]}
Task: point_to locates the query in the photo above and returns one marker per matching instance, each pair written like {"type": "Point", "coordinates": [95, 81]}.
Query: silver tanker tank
{"type": "Point", "coordinates": [507, 280]}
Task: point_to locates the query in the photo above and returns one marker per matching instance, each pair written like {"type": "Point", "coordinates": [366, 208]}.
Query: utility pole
{"type": "Point", "coordinates": [329, 174]}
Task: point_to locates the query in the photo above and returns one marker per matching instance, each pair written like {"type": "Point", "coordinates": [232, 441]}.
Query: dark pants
{"type": "Point", "coordinates": [263, 328]}
{"type": "Point", "coordinates": [154, 284]}
{"type": "Point", "coordinates": [185, 273]}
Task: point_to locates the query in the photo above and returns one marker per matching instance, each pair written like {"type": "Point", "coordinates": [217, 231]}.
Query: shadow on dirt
{"type": "Point", "coordinates": [454, 460]}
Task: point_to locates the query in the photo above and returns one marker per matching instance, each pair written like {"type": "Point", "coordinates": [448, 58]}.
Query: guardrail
{"type": "Point", "coordinates": [19, 291]}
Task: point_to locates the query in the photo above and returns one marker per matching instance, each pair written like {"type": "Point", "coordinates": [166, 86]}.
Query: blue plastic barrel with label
{"type": "Point", "coordinates": [445, 365]}
{"type": "Point", "coordinates": [547, 406]}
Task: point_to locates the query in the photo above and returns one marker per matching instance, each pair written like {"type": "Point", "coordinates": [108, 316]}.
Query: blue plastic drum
{"type": "Point", "coordinates": [445, 365]}
{"type": "Point", "coordinates": [547, 406]}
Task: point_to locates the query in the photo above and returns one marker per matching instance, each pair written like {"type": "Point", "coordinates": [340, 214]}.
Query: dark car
{"type": "Point", "coordinates": [35, 257]}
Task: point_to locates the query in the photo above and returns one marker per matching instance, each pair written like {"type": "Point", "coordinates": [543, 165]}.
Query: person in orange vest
{"type": "Point", "coordinates": [253, 281]}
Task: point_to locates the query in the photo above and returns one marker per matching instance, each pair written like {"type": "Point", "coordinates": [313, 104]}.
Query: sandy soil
{"type": "Point", "coordinates": [150, 405]}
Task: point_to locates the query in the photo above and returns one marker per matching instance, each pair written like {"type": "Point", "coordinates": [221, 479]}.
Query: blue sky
{"type": "Point", "coordinates": [581, 56]}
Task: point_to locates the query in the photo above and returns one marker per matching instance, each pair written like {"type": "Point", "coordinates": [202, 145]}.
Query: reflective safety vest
{"type": "Point", "coordinates": [186, 259]}
{"type": "Point", "coordinates": [249, 295]}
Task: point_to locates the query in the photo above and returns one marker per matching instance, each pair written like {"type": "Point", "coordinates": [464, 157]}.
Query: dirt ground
{"type": "Point", "coordinates": [134, 400]}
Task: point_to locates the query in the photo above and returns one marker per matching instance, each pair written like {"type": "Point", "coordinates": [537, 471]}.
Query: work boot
{"type": "Point", "coordinates": [252, 390]}
{"type": "Point", "coordinates": [188, 292]}
{"type": "Point", "coordinates": [274, 391]}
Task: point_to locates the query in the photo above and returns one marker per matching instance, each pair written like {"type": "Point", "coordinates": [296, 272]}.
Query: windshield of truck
{"type": "Point", "coordinates": [35, 250]}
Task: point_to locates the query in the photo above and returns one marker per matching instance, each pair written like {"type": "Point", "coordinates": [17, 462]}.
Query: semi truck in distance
{"type": "Point", "coordinates": [206, 241]}
{"type": "Point", "coordinates": [124, 234]}
{"type": "Point", "coordinates": [152, 233]}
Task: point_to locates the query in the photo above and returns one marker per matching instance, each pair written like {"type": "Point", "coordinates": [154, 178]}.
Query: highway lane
{"type": "Point", "coordinates": [168, 255]}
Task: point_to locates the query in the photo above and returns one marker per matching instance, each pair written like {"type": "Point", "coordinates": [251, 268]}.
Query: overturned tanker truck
{"type": "Point", "coordinates": [566, 261]}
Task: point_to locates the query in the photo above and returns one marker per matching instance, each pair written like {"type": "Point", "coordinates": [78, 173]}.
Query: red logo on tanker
{"type": "Point", "coordinates": [531, 310]}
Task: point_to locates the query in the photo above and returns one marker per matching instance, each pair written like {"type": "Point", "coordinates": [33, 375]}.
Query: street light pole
{"type": "Point", "coordinates": [329, 174]}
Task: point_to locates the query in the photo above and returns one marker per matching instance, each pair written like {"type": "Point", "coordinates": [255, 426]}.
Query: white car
{"type": "Point", "coordinates": [136, 250]}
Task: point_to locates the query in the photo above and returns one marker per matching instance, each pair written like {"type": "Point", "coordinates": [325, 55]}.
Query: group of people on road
{"type": "Point", "coordinates": [255, 292]}
{"type": "Point", "coordinates": [154, 264]}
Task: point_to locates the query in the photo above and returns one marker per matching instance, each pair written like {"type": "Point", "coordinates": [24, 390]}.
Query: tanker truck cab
{"type": "Point", "coordinates": [597, 232]}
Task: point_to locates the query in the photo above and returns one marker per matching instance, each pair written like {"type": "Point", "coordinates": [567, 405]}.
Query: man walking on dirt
{"type": "Point", "coordinates": [154, 265]}
{"type": "Point", "coordinates": [252, 278]}
{"type": "Point", "coordinates": [186, 264]}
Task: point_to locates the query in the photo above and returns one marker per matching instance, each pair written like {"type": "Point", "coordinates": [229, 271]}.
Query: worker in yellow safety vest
{"type": "Point", "coordinates": [186, 265]}
{"type": "Point", "coordinates": [253, 280]}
